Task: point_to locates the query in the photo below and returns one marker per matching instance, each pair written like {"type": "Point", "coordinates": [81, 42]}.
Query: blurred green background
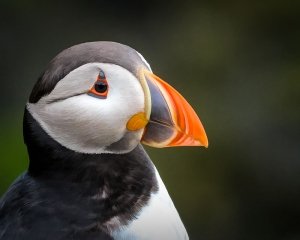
{"type": "Point", "coordinates": [236, 62]}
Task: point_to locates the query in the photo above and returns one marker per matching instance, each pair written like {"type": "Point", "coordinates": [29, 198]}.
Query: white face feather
{"type": "Point", "coordinates": [87, 124]}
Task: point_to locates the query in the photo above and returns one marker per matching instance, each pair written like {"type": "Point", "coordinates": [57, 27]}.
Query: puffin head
{"type": "Point", "coordinates": [102, 97]}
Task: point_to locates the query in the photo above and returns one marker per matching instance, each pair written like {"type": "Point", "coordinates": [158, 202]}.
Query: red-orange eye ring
{"type": "Point", "coordinates": [100, 88]}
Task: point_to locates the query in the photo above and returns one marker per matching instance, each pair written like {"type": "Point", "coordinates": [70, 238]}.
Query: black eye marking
{"type": "Point", "coordinates": [101, 75]}
{"type": "Point", "coordinates": [101, 86]}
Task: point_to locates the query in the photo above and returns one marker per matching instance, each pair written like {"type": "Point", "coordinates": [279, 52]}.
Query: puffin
{"type": "Point", "coordinates": [89, 177]}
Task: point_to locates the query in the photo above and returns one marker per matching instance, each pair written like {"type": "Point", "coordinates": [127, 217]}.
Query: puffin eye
{"type": "Point", "coordinates": [100, 88]}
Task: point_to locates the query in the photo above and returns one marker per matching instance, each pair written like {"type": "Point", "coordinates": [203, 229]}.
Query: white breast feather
{"type": "Point", "coordinates": [159, 220]}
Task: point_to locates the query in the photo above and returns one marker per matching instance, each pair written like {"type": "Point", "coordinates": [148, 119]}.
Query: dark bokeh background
{"type": "Point", "coordinates": [238, 64]}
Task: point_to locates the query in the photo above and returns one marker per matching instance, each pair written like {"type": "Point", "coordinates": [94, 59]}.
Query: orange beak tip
{"type": "Point", "coordinates": [200, 143]}
{"type": "Point", "coordinates": [203, 141]}
{"type": "Point", "coordinates": [205, 145]}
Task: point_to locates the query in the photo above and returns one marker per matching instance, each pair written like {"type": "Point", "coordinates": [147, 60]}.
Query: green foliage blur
{"type": "Point", "coordinates": [236, 62]}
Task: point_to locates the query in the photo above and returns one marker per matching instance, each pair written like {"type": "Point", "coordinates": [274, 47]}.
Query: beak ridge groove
{"type": "Point", "coordinates": [173, 122]}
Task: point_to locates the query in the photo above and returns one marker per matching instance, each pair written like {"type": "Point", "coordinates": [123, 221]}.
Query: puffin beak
{"type": "Point", "coordinates": [171, 119]}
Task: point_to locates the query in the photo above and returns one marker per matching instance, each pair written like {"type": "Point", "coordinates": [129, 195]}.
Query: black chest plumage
{"type": "Point", "coordinates": [70, 195]}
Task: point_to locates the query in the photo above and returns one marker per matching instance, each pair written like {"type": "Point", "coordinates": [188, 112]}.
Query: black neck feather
{"type": "Point", "coordinates": [126, 181]}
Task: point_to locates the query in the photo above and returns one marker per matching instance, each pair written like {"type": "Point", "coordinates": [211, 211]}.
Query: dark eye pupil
{"type": "Point", "coordinates": [100, 87]}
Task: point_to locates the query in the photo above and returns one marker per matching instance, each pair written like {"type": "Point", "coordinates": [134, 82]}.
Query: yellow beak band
{"type": "Point", "coordinates": [137, 122]}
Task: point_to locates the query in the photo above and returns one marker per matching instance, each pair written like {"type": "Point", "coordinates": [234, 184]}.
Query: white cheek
{"type": "Point", "coordinates": [88, 124]}
{"type": "Point", "coordinates": [78, 81]}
